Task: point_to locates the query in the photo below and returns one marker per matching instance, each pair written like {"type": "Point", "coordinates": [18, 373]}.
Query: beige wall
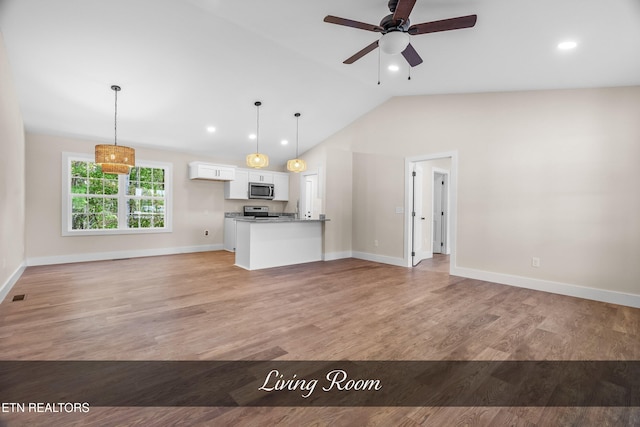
{"type": "Point", "coordinates": [197, 206]}
{"type": "Point", "coordinates": [12, 171]}
{"type": "Point", "coordinates": [552, 174]}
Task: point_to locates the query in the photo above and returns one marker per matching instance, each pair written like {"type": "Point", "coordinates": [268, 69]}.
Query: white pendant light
{"type": "Point", "coordinates": [297, 165]}
{"type": "Point", "coordinates": [115, 158]}
{"type": "Point", "coordinates": [257, 160]}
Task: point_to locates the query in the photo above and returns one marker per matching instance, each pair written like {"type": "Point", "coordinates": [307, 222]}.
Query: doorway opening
{"type": "Point", "coordinates": [430, 195]}
{"type": "Point", "coordinates": [440, 216]}
{"type": "Point", "coordinates": [310, 199]}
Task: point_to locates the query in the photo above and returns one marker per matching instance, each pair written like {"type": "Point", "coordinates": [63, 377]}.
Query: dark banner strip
{"type": "Point", "coordinates": [322, 383]}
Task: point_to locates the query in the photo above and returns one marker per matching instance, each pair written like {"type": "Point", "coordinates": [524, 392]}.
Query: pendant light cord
{"type": "Point", "coordinates": [258, 104]}
{"type": "Point", "coordinates": [116, 89]}
{"type": "Point", "coordinates": [115, 121]}
{"type": "Point", "coordinates": [297, 129]}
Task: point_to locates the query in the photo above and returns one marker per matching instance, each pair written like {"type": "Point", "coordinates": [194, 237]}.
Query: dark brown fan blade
{"type": "Point", "coordinates": [411, 56]}
{"type": "Point", "coordinates": [362, 53]}
{"type": "Point", "coordinates": [403, 9]}
{"type": "Point", "coordinates": [444, 25]}
{"type": "Point", "coordinates": [353, 24]}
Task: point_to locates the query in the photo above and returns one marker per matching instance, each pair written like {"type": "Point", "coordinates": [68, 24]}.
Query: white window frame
{"type": "Point", "coordinates": [123, 227]}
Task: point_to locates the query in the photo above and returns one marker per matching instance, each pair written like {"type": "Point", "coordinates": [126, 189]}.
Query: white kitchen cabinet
{"type": "Point", "coordinates": [280, 186]}
{"type": "Point", "coordinates": [210, 171]}
{"type": "Point", "coordinates": [261, 176]}
{"type": "Point", "coordinates": [229, 234]}
{"type": "Point", "coordinates": [238, 188]}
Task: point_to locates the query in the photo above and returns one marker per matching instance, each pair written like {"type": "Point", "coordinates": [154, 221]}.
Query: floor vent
{"type": "Point", "coordinates": [18, 297]}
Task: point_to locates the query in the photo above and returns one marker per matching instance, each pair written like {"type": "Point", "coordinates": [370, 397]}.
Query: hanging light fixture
{"type": "Point", "coordinates": [115, 158]}
{"type": "Point", "coordinates": [257, 160]}
{"type": "Point", "coordinates": [394, 42]}
{"type": "Point", "coordinates": [297, 165]}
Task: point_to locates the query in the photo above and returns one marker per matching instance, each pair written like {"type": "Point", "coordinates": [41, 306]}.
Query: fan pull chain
{"type": "Point", "coordinates": [409, 78]}
{"type": "Point", "coordinates": [378, 66]}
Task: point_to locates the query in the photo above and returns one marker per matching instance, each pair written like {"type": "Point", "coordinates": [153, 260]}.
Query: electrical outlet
{"type": "Point", "coordinates": [206, 232]}
{"type": "Point", "coordinates": [535, 262]}
{"type": "Point", "coordinates": [375, 243]}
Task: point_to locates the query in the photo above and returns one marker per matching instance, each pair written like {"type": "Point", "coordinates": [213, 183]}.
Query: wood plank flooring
{"type": "Point", "coordinates": [200, 307]}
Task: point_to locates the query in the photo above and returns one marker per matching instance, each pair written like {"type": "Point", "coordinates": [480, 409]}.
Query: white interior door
{"type": "Point", "coordinates": [420, 226]}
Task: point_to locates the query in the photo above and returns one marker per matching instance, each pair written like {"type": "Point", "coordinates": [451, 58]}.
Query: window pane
{"type": "Point", "coordinates": [158, 175]}
{"type": "Point", "coordinates": [110, 186]}
{"type": "Point", "coordinates": [96, 186]}
{"type": "Point", "coordinates": [158, 221]}
{"type": "Point", "coordinates": [145, 174]}
{"type": "Point", "coordinates": [111, 220]}
{"type": "Point", "coordinates": [79, 205]}
{"type": "Point", "coordinates": [96, 204]}
{"type": "Point", "coordinates": [95, 171]}
{"type": "Point", "coordinates": [95, 221]}
{"type": "Point", "coordinates": [111, 205]}
{"type": "Point", "coordinates": [78, 168]}
{"type": "Point", "coordinates": [158, 190]}
{"type": "Point", "coordinates": [78, 222]}
{"type": "Point", "coordinates": [79, 185]}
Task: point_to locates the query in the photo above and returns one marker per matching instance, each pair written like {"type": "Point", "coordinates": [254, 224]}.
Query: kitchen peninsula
{"type": "Point", "coordinates": [272, 242]}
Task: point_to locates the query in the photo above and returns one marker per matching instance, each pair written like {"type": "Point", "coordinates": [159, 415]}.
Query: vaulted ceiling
{"type": "Point", "coordinates": [186, 65]}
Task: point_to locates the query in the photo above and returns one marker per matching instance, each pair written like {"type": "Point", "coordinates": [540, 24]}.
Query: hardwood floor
{"type": "Point", "coordinates": [200, 307]}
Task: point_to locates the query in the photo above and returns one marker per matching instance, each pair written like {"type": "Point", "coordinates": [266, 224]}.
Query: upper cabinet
{"type": "Point", "coordinates": [210, 171]}
{"type": "Point", "coordinates": [280, 186]}
{"type": "Point", "coordinates": [238, 189]}
{"type": "Point", "coordinates": [261, 176]}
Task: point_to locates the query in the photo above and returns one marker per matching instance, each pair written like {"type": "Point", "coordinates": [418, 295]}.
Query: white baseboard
{"type": "Point", "coordinates": [6, 286]}
{"type": "Point", "coordinates": [332, 256]}
{"type": "Point", "coordinates": [380, 258]}
{"type": "Point", "coordinates": [602, 295]}
{"type": "Point", "coordinates": [103, 256]}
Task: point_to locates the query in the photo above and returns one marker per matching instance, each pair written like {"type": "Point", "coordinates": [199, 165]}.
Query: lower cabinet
{"type": "Point", "coordinates": [229, 243]}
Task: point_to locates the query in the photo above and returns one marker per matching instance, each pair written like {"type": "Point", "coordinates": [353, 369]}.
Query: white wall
{"type": "Point", "coordinates": [552, 174]}
{"type": "Point", "coordinates": [12, 187]}
{"type": "Point", "coordinates": [197, 206]}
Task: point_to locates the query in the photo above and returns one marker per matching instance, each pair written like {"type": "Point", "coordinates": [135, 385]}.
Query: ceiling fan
{"type": "Point", "coordinates": [396, 29]}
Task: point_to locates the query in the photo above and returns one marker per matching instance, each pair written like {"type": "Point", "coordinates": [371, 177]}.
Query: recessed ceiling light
{"type": "Point", "coordinates": [252, 136]}
{"type": "Point", "coordinates": [567, 45]}
{"type": "Point", "coordinates": [284, 142]}
{"type": "Point", "coordinates": [393, 67]}
{"type": "Point", "coordinates": [211, 129]}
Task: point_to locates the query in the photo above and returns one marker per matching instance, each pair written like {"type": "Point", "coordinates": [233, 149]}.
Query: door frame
{"type": "Point", "coordinates": [409, 165]}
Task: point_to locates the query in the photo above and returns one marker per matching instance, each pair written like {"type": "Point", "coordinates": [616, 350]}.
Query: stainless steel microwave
{"type": "Point", "coordinates": [260, 190]}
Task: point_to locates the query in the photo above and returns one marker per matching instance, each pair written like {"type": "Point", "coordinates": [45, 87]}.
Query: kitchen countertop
{"type": "Point", "coordinates": [278, 219]}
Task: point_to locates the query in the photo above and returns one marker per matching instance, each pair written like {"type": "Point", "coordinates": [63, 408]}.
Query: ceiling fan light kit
{"type": "Point", "coordinates": [396, 29]}
{"type": "Point", "coordinates": [394, 42]}
{"type": "Point", "coordinates": [115, 158]}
